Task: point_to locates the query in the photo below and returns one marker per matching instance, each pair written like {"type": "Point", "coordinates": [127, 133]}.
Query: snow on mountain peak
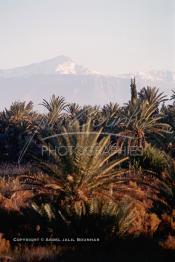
{"type": "Point", "coordinates": [71, 68]}
{"type": "Point", "coordinates": [60, 65]}
{"type": "Point", "coordinates": [66, 68]}
{"type": "Point", "coordinates": [63, 65]}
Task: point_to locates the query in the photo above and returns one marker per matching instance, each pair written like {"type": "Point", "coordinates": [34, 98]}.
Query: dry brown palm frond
{"type": "Point", "coordinates": [134, 220]}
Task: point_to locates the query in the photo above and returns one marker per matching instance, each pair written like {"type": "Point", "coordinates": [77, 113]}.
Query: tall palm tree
{"type": "Point", "coordinates": [55, 108]}
{"type": "Point", "coordinates": [152, 95]}
{"type": "Point", "coordinates": [88, 112]}
{"type": "Point", "coordinates": [73, 110]}
{"type": "Point", "coordinates": [110, 117]}
{"type": "Point", "coordinates": [110, 109]}
{"type": "Point", "coordinates": [19, 112]}
{"type": "Point", "coordinates": [133, 92]}
{"type": "Point", "coordinates": [143, 119]}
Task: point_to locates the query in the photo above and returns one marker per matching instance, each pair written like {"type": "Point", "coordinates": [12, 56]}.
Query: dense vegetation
{"type": "Point", "coordinates": [102, 173]}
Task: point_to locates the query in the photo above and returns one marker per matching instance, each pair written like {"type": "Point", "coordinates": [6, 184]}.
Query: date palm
{"type": "Point", "coordinates": [173, 95]}
{"type": "Point", "coordinates": [88, 112]}
{"type": "Point", "coordinates": [73, 110]}
{"type": "Point", "coordinates": [19, 112]}
{"type": "Point", "coordinates": [110, 117]}
{"type": "Point", "coordinates": [110, 109]}
{"type": "Point", "coordinates": [20, 121]}
{"type": "Point", "coordinates": [152, 95]}
{"type": "Point", "coordinates": [84, 167]}
{"type": "Point", "coordinates": [133, 92]}
{"type": "Point", "coordinates": [55, 108]}
{"type": "Point", "coordinates": [143, 119]}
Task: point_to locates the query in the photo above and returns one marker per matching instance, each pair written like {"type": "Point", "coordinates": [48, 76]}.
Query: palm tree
{"type": "Point", "coordinates": [80, 162]}
{"type": "Point", "coordinates": [144, 119]}
{"type": "Point", "coordinates": [88, 112]}
{"type": "Point", "coordinates": [110, 109]}
{"type": "Point", "coordinates": [152, 95]}
{"type": "Point", "coordinates": [55, 108]}
{"type": "Point", "coordinates": [20, 121]}
{"type": "Point", "coordinates": [88, 178]}
{"type": "Point", "coordinates": [173, 95]}
{"type": "Point", "coordinates": [168, 112]}
{"type": "Point", "coordinates": [73, 110]}
{"type": "Point", "coordinates": [110, 117]}
{"type": "Point", "coordinates": [19, 113]}
{"type": "Point", "coordinates": [133, 92]}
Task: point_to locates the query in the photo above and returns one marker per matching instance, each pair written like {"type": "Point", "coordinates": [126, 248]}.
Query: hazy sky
{"type": "Point", "coordinates": [109, 36]}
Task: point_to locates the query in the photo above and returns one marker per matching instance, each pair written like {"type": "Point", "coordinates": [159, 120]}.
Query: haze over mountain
{"type": "Point", "coordinates": [63, 77]}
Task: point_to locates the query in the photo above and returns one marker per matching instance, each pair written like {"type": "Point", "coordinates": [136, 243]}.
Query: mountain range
{"type": "Point", "coordinates": [63, 77]}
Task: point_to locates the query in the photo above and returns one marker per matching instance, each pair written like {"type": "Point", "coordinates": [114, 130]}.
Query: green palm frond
{"type": "Point", "coordinates": [86, 166]}
{"type": "Point", "coordinates": [152, 95]}
{"type": "Point", "coordinates": [55, 108]}
{"type": "Point", "coordinates": [19, 112]}
{"type": "Point", "coordinates": [143, 119]}
{"type": "Point", "coordinates": [110, 109]}
{"type": "Point", "coordinates": [73, 110]}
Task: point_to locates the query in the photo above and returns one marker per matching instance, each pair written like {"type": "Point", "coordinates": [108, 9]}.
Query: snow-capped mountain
{"type": "Point", "coordinates": [63, 77]}
{"type": "Point", "coordinates": [60, 65]}
{"type": "Point", "coordinates": [152, 75]}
